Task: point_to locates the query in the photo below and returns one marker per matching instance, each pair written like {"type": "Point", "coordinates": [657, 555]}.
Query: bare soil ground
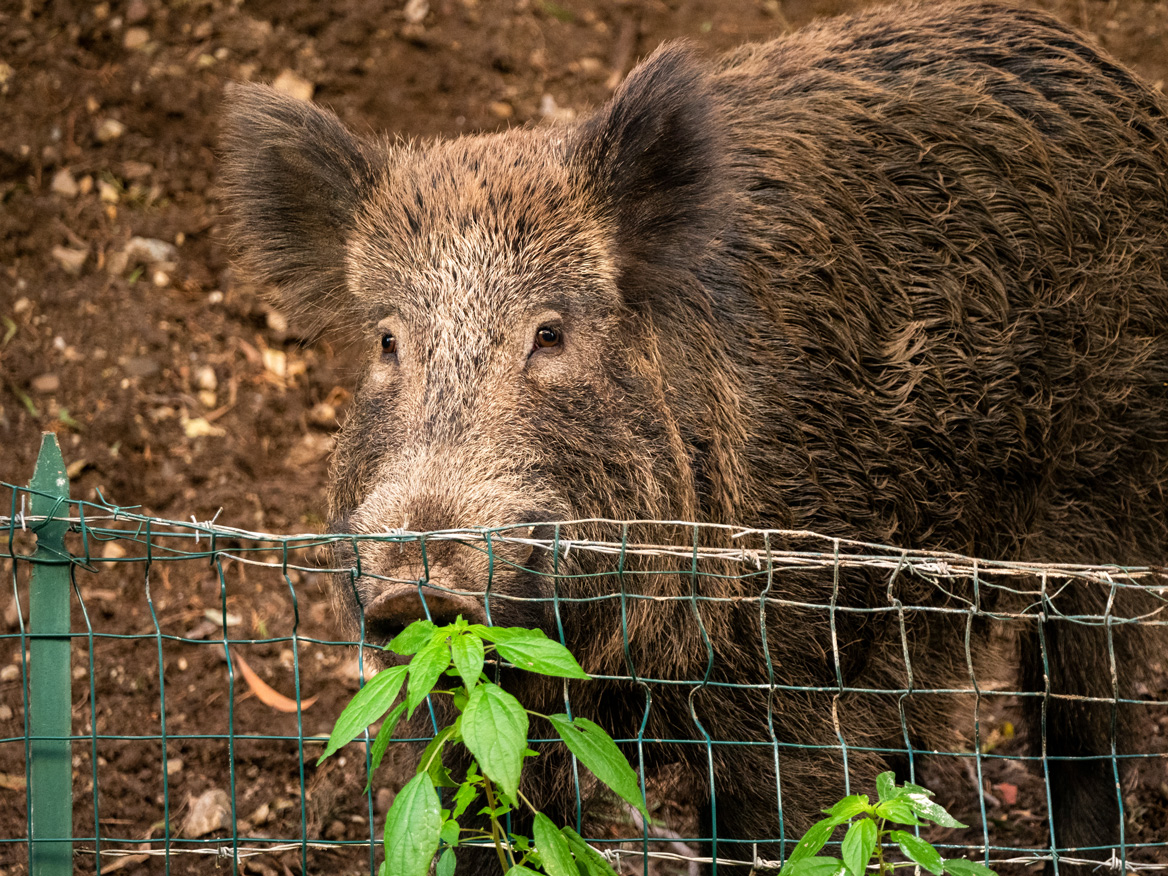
{"type": "Point", "coordinates": [172, 384]}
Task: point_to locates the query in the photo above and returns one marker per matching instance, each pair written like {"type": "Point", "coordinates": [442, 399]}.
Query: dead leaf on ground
{"type": "Point", "coordinates": [266, 694]}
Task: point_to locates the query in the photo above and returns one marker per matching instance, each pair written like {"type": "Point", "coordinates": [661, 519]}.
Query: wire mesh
{"type": "Point", "coordinates": [207, 674]}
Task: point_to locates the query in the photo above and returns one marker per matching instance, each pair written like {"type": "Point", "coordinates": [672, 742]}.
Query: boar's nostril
{"type": "Point", "coordinates": [392, 612]}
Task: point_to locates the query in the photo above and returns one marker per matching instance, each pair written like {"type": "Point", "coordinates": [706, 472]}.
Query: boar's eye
{"type": "Point", "coordinates": [388, 344]}
{"type": "Point", "coordinates": [547, 336]}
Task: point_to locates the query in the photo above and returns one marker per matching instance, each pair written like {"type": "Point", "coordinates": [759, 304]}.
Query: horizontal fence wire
{"type": "Point", "coordinates": [208, 668]}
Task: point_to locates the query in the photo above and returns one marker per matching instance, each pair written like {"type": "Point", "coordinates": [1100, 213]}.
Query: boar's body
{"type": "Point", "coordinates": [899, 277]}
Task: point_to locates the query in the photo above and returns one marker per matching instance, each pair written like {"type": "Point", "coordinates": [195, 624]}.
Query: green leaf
{"type": "Point", "coordinates": [815, 839]}
{"type": "Point", "coordinates": [898, 810]}
{"type": "Point", "coordinates": [858, 845]}
{"type": "Point", "coordinates": [412, 826]}
{"type": "Point", "coordinates": [446, 863]}
{"type": "Point", "coordinates": [553, 848]}
{"type": "Point", "coordinates": [594, 862]}
{"type": "Point", "coordinates": [495, 634]}
{"type": "Point", "coordinates": [926, 808]}
{"type": "Point", "coordinates": [599, 753]}
{"type": "Point", "coordinates": [412, 638]}
{"type": "Point", "coordinates": [494, 729]}
{"type": "Point", "coordinates": [467, 652]}
{"type": "Point", "coordinates": [886, 786]}
{"type": "Point", "coordinates": [520, 870]}
{"type": "Point", "coordinates": [450, 832]}
{"type": "Point", "coordinates": [425, 668]}
{"type": "Point", "coordinates": [371, 702]}
{"type": "Point", "coordinates": [817, 867]}
{"type": "Point", "coordinates": [537, 653]}
{"type": "Point", "coordinates": [463, 797]}
{"type": "Point", "coordinates": [849, 807]}
{"type": "Point", "coordinates": [381, 743]}
{"type": "Point", "coordinates": [919, 851]}
{"type": "Point", "coordinates": [962, 867]}
{"type": "Point", "coordinates": [431, 761]}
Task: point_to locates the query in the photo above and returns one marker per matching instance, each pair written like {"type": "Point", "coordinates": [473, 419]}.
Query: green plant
{"type": "Point", "coordinates": [868, 834]}
{"type": "Point", "coordinates": [493, 726]}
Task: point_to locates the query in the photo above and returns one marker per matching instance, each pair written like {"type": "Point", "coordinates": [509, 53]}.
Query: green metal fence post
{"type": "Point", "coordinates": [49, 686]}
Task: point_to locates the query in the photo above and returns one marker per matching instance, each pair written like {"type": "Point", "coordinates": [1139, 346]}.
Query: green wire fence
{"type": "Point", "coordinates": [167, 687]}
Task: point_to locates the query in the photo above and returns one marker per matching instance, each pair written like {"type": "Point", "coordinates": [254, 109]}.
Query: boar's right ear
{"type": "Point", "coordinates": [654, 158]}
{"type": "Point", "coordinates": [294, 178]}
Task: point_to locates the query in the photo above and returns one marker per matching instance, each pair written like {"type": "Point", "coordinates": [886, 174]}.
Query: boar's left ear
{"type": "Point", "coordinates": [294, 178]}
{"type": "Point", "coordinates": [654, 157]}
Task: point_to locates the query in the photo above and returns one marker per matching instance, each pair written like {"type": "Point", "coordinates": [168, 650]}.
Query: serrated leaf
{"type": "Point", "coordinates": [446, 863]}
{"type": "Point", "coordinates": [858, 845]}
{"type": "Point", "coordinates": [886, 786]}
{"type": "Point", "coordinates": [425, 668]}
{"type": "Point", "coordinates": [412, 826]}
{"type": "Point", "coordinates": [815, 839]}
{"type": "Point", "coordinates": [496, 634]}
{"type": "Point", "coordinates": [849, 807]}
{"type": "Point", "coordinates": [371, 702]}
{"type": "Point", "coordinates": [467, 653]}
{"type": "Point", "coordinates": [897, 810]}
{"type": "Point", "coordinates": [494, 729]}
{"type": "Point", "coordinates": [594, 862]}
{"type": "Point", "coordinates": [537, 653]}
{"type": "Point", "coordinates": [963, 867]}
{"type": "Point", "coordinates": [450, 832]}
{"type": "Point", "coordinates": [413, 638]}
{"type": "Point", "coordinates": [600, 754]}
{"type": "Point", "coordinates": [926, 808]}
{"type": "Point", "coordinates": [919, 851]}
{"type": "Point", "coordinates": [818, 866]}
{"type": "Point", "coordinates": [463, 797]}
{"type": "Point", "coordinates": [381, 743]}
{"type": "Point", "coordinates": [554, 851]}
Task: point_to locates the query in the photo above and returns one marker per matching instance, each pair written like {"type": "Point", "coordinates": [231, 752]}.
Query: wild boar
{"type": "Point", "coordinates": [899, 277]}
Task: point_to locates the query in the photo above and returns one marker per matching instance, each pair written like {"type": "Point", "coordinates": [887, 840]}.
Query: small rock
{"type": "Point", "coordinates": [277, 322]}
{"type": "Point", "coordinates": [384, 800]}
{"type": "Point", "coordinates": [71, 260]}
{"type": "Point", "coordinates": [310, 449]}
{"type": "Point", "coordinates": [46, 383]}
{"type": "Point", "coordinates": [135, 38]}
{"type": "Point", "coordinates": [137, 11]}
{"type": "Point", "coordinates": [63, 183]}
{"type": "Point", "coordinates": [142, 366]}
{"type": "Point", "coordinates": [5, 712]}
{"type": "Point", "coordinates": [11, 672]}
{"type": "Point", "coordinates": [416, 10]}
{"type": "Point", "coordinates": [323, 415]}
{"type": "Point", "coordinates": [111, 550]}
{"type": "Point", "coordinates": [116, 263]}
{"type": "Point", "coordinates": [160, 279]}
{"type": "Point", "coordinates": [174, 765]}
{"type": "Point", "coordinates": [108, 192]}
{"type": "Point", "coordinates": [182, 664]}
{"type": "Point", "coordinates": [261, 815]}
{"type": "Point", "coordinates": [294, 85]}
{"type": "Point", "coordinates": [208, 399]}
{"type": "Point", "coordinates": [200, 427]}
{"type": "Point", "coordinates": [110, 129]}
{"type": "Point", "coordinates": [205, 379]}
{"type": "Point", "coordinates": [208, 813]}
{"type": "Point", "coordinates": [501, 109]}
{"type": "Point", "coordinates": [85, 185]}
{"type": "Point", "coordinates": [275, 361]}
{"type": "Point", "coordinates": [150, 251]}
{"type": "Point", "coordinates": [592, 67]}
{"type": "Point", "coordinates": [80, 672]}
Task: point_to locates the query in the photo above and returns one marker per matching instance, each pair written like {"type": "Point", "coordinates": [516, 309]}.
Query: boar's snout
{"type": "Point", "coordinates": [441, 573]}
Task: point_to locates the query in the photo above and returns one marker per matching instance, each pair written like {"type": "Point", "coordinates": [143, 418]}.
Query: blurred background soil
{"type": "Point", "coordinates": [172, 385]}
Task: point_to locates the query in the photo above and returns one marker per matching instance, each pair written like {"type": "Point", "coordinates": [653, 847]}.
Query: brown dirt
{"type": "Point", "coordinates": [175, 387]}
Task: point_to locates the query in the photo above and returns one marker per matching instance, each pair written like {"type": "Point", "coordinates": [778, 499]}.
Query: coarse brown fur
{"type": "Point", "coordinates": [898, 277]}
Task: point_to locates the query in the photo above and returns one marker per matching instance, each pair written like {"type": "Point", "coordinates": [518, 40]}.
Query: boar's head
{"type": "Point", "coordinates": [538, 346]}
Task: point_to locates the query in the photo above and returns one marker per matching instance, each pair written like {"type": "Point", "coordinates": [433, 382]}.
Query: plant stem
{"type": "Point", "coordinates": [881, 867]}
{"type": "Point", "coordinates": [497, 829]}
